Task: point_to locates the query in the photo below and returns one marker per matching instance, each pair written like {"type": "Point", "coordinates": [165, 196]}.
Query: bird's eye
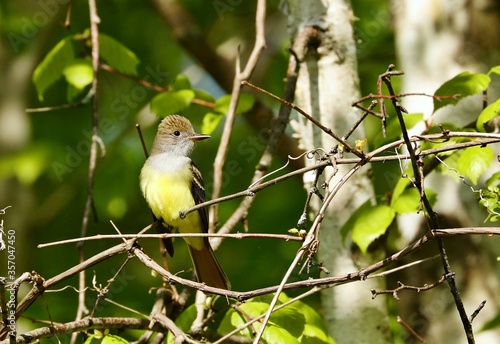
{"type": "Point", "coordinates": [177, 133]}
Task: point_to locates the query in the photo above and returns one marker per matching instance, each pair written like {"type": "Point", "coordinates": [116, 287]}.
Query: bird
{"type": "Point", "coordinates": [171, 184]}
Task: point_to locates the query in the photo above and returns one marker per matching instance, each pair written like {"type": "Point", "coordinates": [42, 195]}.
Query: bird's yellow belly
{"type": "Point", "coordinates": [168, 194]}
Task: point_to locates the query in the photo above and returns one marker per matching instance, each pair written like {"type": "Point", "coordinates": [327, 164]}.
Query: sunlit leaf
{"type": "Point", "coordinates": [495, 70]}
{"type": "Point", "coordinates": [296, 323]}
{"type": "Point", "coordinates": [474, 161]}
{"type": "Point", "coordinates": [490, 199]}
{"type": "Point", "coordinates": [51, 68]}
{"type": "Point", "coordinates": [181, 83]}
{"type": "Point", "coordinates": [493, 180]}
{"type": "Point", "coordinates": [78, 74]}
{"type": "Point", "coordinates": [168, 103]}
{"type": "Point", "coordinates": [465, 84]}
{"type": "Point", "coordinates": [107, 339]}
{"type": "Point", "coordinates": [409, 200]}
{"type": "Point", "coordinates": [368, 223]}
{"type": "Point", "coordinates": [210, 122]}
{"type": "Point", "coordinates": [117, 55]}
{"type": "Point", "coordinates": [400, 187]}
{"type": "Point", "coordinates": [490, 112]}
{"type": "Point", "coordinates": [276, 334]}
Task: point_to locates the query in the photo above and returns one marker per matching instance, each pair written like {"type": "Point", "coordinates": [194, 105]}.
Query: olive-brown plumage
{"type": "Point", "coordinates": [171, 184]}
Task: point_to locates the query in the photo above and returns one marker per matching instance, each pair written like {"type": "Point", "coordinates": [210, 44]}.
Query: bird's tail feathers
{"type": "Point", "coordinates": [208, 268]}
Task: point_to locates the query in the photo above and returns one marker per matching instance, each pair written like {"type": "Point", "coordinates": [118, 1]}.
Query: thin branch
{"type": "Point", "coordinates": [412, 331]}
{"type": "Point", "coordinates": [56, 107]}
{"type": "Point", "coordinates": [370, 157]}
{"type": "Point", "coordinates": [39, 285]}
{"type": "Point", "coordinates": [238, 236]}
{"type": "Point", "coordinates": [144, 148]}
{"type": "Point", "coordinates": [86, 324]}
{"type": "Point", "coordinates": [402, 286]}
{"type": "Point", "coordinates": [476, 311]}
{"type": "Point", "coordinates": [431, 215]}
{"type": "Point", "coordinates": [320, 125]}
{"type": "Point", "coordinates": [274, 301]}
{"type": "Point", "coordinates": [152, 86]}
{"type": "Point", "coordinates": [400, 95]}
{"type": "Point", "coordinates": [89, 205]}
{"type": "Point", "coordinates": [220, 158]}
{"type": "Point", "coordinates": [402, 267]}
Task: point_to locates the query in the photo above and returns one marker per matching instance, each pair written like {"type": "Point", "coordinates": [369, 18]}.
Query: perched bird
{"type": "Point", "coordinates": [171, 184]}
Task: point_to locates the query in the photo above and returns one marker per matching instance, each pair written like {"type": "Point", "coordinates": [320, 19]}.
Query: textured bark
{"type": "Point", "coordinates": [328, 83]}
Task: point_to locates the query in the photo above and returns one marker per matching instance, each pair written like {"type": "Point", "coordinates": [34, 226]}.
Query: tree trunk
{"type": "Point", "coordinates": [328, 84]}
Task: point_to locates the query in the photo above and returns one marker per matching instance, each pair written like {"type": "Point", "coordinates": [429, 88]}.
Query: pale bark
{"type": "Point", "coordinates": [328, 83]}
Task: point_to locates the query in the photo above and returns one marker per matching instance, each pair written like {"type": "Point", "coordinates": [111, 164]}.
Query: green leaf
{"type": "Point", "coordinates": [393, 129]}
{"type": "Point", "coordinates": [474, 161]}
{"type": "Point", "coordinates": [491, 324]}
{"type": "Point", "coordinates": [78, 74]}
{"type": "Point", "coordinates": [275, 334]}
{"type": "Point", "coordinates": [295, 323]}
{"type": "Point", "coordinates": [181, 83]}
{"type": "Point", "coordinates": [107, 339]}
{"type": "Point", "coordinates": [490, 112]}
{"type": "Point", "coordinates": [409, 200]}
{"type": "Point", "coordinates": [490, 199]}
{"type": "Point", "coordinates": [184, 321]}
{"type": "Point", "coordinates": [449, 168]}
{"type": "Point", "coordinates": [314, 329]}
{"type": "Point", "coordinates": [168, 103]}
{"type": "Point", "coordinates": [410, 120]}
{"type": "Point", "coordinates": [210, 122]}
{"type": "Point", "coordinates": [400, 187]}
{"type": "Point", "coordinates": [245, 103]}
{"type": "Point", "coordinates": [52, 66]}
{"type": "Point", "coordinates": [493, 180]}
{"type": "Point", "coordinates": [27, 166]}
{"type": "Point", "coordinates": [495, 70]}
{"type": "Point", "coordinates": [368, 223]}
{"type": "Point", "coordinates": [289, 319]}
{"type": "Point", "coordinates": [465, 84]}
{"type": "Point", "coordinates": [117, 55]}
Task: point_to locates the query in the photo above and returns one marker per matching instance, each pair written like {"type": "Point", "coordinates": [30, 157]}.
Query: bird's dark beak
{"type": "Point", "coordinates": [198, 137]}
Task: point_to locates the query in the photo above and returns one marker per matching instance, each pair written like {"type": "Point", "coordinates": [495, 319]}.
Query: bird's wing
{"type": "Point", "coordinates": [198, 191]}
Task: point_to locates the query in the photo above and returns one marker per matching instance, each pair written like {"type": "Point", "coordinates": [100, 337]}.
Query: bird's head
{"type": "Point", "coordinates": [176, 135]}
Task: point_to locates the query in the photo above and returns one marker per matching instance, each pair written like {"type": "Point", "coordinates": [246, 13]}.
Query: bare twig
{"type": "Point", "coordinates": [89, 205]}
{"type": "Point", "coordinates": [412, 331]}
{"type": "Point", "coordinates": [476, 311]}
{"type": "Point", "coordinates": [431, 215]}
{"type": "Point", "coordinates": [56, 107]}
{"type": "Point", "coordinates": [485, 139]}
{"type": "Point", "coordinates": [86, 324]}
{"type": "Point", "coordinates": [402, 286]}
{"type": "Point", "coordinates": [238, 236]}
{"type": "Point", "coordinates": [320, 125]}
{"type": "Point", "coordinates": [220, 158]}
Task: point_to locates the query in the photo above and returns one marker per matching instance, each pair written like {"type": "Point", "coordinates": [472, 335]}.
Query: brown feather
{"type": "Point", "coordinates": [208, 269]}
